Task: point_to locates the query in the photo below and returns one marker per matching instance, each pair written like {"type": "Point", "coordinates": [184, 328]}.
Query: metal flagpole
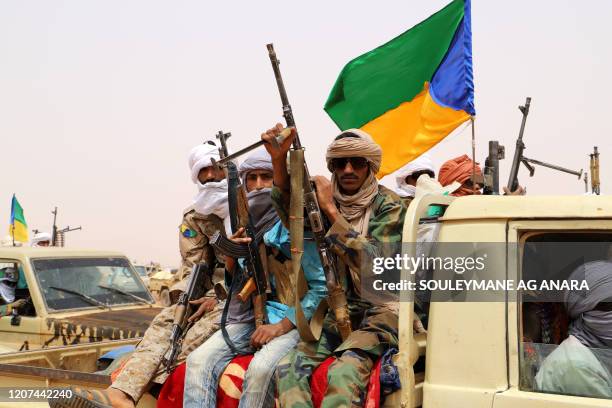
{"type": "Point", "coordinates": [473, 155]}
{"type": "Point", "coordinates": [13, 218]}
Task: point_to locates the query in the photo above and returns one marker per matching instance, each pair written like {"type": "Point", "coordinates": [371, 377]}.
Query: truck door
{"type": "Point", "coordinates": [21, 329]}
{"type": "Point", "coordinates": [548, 367]}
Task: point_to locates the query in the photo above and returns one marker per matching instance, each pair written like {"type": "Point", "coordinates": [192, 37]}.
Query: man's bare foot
{"type": "Point", "coordinates": [119, 399]}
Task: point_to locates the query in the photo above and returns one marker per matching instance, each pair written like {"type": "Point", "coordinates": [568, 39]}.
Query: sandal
{"type": "Point", "coordinates": [82, 398]}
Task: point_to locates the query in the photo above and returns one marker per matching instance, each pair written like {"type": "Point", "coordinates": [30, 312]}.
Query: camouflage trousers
{"type": "Point", "coordinates": [144, 366]}
{"type": "Point", "coordinates": [348, 376]}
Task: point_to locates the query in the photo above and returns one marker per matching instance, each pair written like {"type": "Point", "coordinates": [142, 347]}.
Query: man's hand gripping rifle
{"type": "Point", "coordinates": [195, 290]}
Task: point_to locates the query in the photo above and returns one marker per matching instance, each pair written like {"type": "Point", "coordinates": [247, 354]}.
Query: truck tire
{"type": "Point", "coordinates": [164, 297]}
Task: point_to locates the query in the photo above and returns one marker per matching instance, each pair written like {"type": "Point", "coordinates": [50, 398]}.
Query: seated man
{"type": "Point", "coordinates": [364, 215]}
{"type": "Point", "coordinates": [407, 176]}
{"type": "Point", "coordinates": [201, 220]}
{"type": "Point", "coordinates": [270, 342]}
{"type": "Point", "coordinates": [574, 367]}
{"type": "Point", "coordinates": [8, 283]}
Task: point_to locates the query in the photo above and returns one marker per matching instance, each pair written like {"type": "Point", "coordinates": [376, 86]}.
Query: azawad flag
{"type": "Point", "coordinates": [413, 91]}
{"type": "Point", "coordinates": [18, 228]}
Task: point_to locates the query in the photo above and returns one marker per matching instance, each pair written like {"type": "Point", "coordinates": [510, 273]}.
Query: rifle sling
{"type": "Point", "coordinates": [224, 332]}
{"type": "Point", "coordinates": [308, 332]}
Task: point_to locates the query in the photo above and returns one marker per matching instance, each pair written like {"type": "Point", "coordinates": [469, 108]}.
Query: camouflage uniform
{"type": "Point", "coordinates": [407, 200]}
{"type": "Point", "coordinates": [143, 367]}
{"type": "Point", "coordinates": [375, 325]}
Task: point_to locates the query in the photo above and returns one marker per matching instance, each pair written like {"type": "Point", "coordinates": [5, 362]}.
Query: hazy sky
{"type": "Point", "coordinates": [100, 101]}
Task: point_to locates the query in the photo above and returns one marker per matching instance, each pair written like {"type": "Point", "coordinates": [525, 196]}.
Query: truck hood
{"type": "Point", "coordinates": [99, 326]}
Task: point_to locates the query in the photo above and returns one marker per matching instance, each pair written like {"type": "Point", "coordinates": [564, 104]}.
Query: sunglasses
{"type": "Point", "coordinates": [357, 163]}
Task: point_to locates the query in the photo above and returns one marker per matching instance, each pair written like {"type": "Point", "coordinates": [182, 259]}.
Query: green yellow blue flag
{"type": "Point", "coordinates": [413, 91]}
{"type": "Point", "coordinates": [18, 228]}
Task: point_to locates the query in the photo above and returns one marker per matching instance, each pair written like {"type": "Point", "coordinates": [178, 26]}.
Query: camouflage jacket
{"type": "Point", "coordinates": [407, 201]}
{"type": "Point", "coordinates": [356, 252]}
{"type": "Point", "coordinates": [194, 235]}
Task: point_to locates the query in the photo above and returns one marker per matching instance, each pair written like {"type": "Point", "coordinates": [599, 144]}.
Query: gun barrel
{"type": "Point", "coordinates": [287, 111]}
{"type": "Point", "coordinates": [520, 146]}
{"type": "Point", "coordinates": [276, 143]}
{"type": "Point", "coordinates": [222, 138]}
{"type": "Point", "coordinates": [553, 166]}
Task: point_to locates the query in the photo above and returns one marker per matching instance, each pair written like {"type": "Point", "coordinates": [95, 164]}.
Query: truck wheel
{"type": "Point", "coordinates": [164, 297]}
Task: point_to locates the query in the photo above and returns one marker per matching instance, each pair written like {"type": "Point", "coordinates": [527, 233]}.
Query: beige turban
{"type": "Point", "coordinates": [347, 145]}
{"type": "Point", "coordinates": [355, 143]}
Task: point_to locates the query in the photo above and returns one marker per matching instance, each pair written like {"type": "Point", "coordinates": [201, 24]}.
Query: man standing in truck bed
{"type": "Point", "coordinates": [201, 220]}
{"type": "Point", "coordinates": [363, 214]}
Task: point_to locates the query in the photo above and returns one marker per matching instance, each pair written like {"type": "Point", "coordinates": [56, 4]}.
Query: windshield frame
{"type": "Point", "coordinates": [126, 301]}
{"type": "Point", "coordinates": [143, 268]}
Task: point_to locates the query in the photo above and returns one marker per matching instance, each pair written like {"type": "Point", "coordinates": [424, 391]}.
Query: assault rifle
{"type": "Point", "coordinates": [520, 158]}
{"type": "Point", "coordinates": [336, 297]}
{"type": "Point", "coordinates": [184, 309]}
{"type": "Point", "coordinates": [256, 282]}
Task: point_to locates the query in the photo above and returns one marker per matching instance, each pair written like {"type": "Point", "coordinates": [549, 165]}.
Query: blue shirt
{"type": "Point", "coordinates": [278, 237]}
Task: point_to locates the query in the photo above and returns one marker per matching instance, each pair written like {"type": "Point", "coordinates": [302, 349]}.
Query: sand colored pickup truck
{"type": "Point", "coordinates": [58, 367]}
{"type": "Point", "coordinates": [74, 297]}
{"type": "Point", "coordinates": [477, 352]}
{"type": "Point", "coordinates": [485, 350]}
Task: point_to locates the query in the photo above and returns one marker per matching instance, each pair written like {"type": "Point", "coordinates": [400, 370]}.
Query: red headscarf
{"type": "Point", "coordinates": [458, 169]}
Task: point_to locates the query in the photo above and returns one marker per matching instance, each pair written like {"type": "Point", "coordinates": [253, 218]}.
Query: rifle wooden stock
{"type": "Point", "coordinates": [259, 304]}
{"type": "Point", "coordinates": [595, 183]}
{"type": "Point", "coordinates": [247, 290]}
{"type": "Point", "coordinates": [180, 313]}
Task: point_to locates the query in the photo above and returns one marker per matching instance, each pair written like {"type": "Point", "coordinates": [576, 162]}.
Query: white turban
{"type": "Point", "coordinates": [40, 237]}
{"type": "Point", "coordinates": [201, 156]}
{"type": "Point", "coordinates": [212, 196]}
{"type": "Point", "coordinates": [421, 163]}
{"type": "Point", "coordinates": [258, 160]}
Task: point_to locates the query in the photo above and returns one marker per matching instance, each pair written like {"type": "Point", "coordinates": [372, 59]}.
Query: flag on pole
{"type": "Point", "coordinates": [18, 228]}
{"type": "Point", "coordinates": [413, 91]}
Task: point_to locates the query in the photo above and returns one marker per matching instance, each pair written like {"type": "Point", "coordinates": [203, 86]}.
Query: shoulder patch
{"type": "Point", "coordinates": [187, 232]}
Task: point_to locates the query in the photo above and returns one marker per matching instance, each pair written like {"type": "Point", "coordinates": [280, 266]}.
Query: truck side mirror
{"type": "Point", "coordinates": [15, 318]}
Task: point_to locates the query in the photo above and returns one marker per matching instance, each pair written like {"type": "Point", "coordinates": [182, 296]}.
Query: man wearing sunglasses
{"type": "Point", "coordinates": [363, 215]}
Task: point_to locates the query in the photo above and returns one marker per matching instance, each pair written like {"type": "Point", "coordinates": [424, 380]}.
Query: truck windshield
{"type": "Point", "coordinates": [142, 271]}
{"type": "Point", "coordinates": [91, 277]}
